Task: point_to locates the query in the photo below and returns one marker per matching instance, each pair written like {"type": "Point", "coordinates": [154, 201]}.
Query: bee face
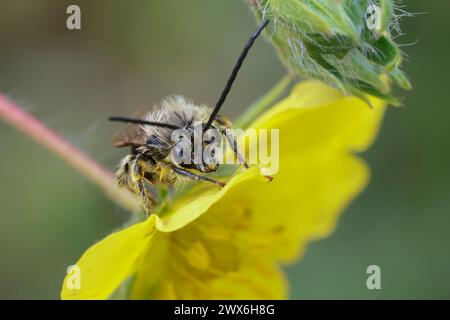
{"type": "Point", "coordinates": [196, 149]}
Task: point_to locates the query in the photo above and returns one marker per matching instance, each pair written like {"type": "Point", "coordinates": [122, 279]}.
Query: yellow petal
{"type": "Point", "coordinates": [323, 119]}
{"type": "Point", "coordinates": [105, 265]}
{"type": "Point", "coordinates": [318, 176]}
{"type": "Point", "coordinates": [195, 203]}
{"type": "Point", "coordinates": [256, 279]}
{"type": "Point", "coordinates": [301, 204]}
{"type": "Point", "coordinates": [230, 272]}
{"type": "Point", "coordinates": [307, 94]}
{"type": "Point", "coordinates": [151, 270]}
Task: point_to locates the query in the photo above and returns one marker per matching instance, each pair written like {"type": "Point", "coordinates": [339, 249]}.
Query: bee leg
{"type": "Point", "coordinates": [146, 199]}
{"type": "Point", "coordinates": [233, 144]}
{"type": "Point", "coordinates": [194, 176]}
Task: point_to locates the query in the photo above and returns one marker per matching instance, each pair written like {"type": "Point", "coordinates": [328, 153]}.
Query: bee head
{"type": "Point", "coordinates": [196, 148]}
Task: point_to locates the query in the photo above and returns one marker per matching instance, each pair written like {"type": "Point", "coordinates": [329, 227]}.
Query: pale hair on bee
{"type": "Point", "coordinates": [155, 154]}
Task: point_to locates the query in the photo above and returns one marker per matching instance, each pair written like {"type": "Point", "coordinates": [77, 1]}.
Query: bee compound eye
{"type": "Point", "coordinates": [153, 140]}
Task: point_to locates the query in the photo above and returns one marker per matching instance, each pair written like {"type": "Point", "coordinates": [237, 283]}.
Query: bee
{"type": "Point", "coordinates": [151, 160]}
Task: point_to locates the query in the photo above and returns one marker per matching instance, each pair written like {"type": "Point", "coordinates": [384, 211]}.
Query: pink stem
{"type": "Point", "coordinates": [37, 131]}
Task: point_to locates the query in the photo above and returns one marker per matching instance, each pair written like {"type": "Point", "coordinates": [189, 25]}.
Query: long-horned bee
{"type": "Point", "coordinates": [154, 140]}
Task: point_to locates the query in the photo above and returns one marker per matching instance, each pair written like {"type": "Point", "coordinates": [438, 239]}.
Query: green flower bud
{"type": "Point", "coordinates": [345, 43]}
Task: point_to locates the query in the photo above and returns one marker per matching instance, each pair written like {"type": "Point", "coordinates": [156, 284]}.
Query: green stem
{"type": "Point", "coordinates": [264, 102]}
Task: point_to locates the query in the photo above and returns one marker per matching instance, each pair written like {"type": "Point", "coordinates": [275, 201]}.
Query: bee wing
{"type": "Point", "coordinates": [133, 134]}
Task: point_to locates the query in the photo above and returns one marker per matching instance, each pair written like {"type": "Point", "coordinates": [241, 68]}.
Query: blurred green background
{"type": "Point", "coordinates": [131, 54]}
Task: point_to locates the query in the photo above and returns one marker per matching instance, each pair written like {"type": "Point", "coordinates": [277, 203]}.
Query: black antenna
{"type": "Point", "coordinates": [235, 71]}
{"type": "Point", "coordinates": [139, 121]}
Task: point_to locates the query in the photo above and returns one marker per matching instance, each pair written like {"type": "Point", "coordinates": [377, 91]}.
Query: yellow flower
{"type": "Point", "coordinates": [212, 244]}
